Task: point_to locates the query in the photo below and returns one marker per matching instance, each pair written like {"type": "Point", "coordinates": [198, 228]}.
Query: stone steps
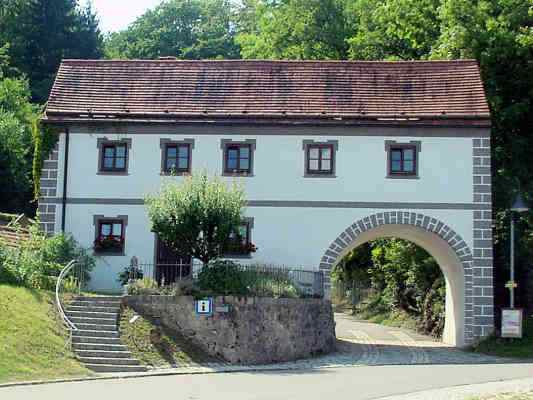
{"type": "Point", "coordinates": [112, 310]}
{"type": "Point", "coordinates": [100, 346]}
{"type": "Point", "coordinates": [101, 354]}
{"type": "Point", "coordinates": [96, 341]}
{"type": "Point", "coordinates": [109, 360]}
{"type": "Point", "coordinates": [95, 334]}
{"type": "Point", "coordinates": [89, 314]}
{"type": "Point", "coordinates": [106, 368]}
{"type": "Point", "coordinates": [94, 303]}
{"type": "Point", "coordinates": [93, 321]}
{"type": "Point", "coordinates": [96, 327]}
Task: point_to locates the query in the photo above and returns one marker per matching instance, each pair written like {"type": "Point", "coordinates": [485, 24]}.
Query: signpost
{"type": "Point", "coordinates": [204, 306]}
{"type": "Point", "coordinates": [512, 323]}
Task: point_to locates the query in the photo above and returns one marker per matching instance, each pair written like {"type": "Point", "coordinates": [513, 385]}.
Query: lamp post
{"type": "Point", "coordinates": [518, 206]}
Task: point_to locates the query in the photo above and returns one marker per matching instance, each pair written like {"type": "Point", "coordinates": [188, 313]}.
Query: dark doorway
{"type": "Point", "coordinates": [170, 267]}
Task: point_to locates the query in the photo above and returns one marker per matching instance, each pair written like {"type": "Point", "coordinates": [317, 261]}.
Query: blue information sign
{"type": "Point", "coordinates": [204, 306]}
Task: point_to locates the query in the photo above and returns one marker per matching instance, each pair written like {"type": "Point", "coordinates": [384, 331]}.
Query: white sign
{"type": "Point", "coordinates": [204, 307]}
{"type": "Point", "coordinates": [511, 323]}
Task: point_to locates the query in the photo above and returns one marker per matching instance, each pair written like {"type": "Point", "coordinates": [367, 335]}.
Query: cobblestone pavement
{"type": "Point", "coordinates": [362, 343]}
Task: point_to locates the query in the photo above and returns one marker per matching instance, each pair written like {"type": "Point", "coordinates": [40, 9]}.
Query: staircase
{"type": "Point", "coordinates": [96, 341]}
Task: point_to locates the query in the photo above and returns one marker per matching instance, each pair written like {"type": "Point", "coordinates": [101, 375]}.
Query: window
{"type": "Point", "coordinates": [109, 234]}
{"type": "Point", "coordinates": [239, 243]}
{"type": "Point", "coordinates": [402, 159]}
{"type": "Point", "coordinates": [177, 158]}
{"type": "Point", "coordinates": [238, 157]}
{"type": "Point", "coordinates": [320, 158]}
{"type": "Point", "coordinates": [113, 156]}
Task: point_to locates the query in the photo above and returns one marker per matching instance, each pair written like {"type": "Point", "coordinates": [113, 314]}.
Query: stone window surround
{"type": "Point", "coordinates": [96, 222]}
{"type": "Point", "coordinates": [224, 143]}
{"type": "Point", "coordinates": [389, 144]}
{"type": "Point", "coordinates": [334, 144]}
{"type": "Point", "coordinates": [249, 221]}
{"type": "Point", "coordinates": [100, 143]}
{"type": "Point", "coordinates": [163, 143]}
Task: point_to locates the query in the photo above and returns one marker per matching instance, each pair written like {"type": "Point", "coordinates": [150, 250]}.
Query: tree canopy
{"type": "Point", "coordinates": [192, 29]}
{"type": "Point", "coordinates": [40, 33]}
{"type": "Point", "coordinates": [195, 218]}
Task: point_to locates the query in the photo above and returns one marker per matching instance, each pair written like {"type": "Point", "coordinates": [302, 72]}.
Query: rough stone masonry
{"type": "Point", "coordinates": [253, 331]}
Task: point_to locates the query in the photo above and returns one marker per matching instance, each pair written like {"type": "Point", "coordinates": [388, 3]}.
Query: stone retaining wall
{"type": "Point", "coordinates": [253, 331]}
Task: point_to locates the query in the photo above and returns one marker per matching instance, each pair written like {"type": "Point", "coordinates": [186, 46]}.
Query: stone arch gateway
{"type": "Point", "coordinates": [452, 253]}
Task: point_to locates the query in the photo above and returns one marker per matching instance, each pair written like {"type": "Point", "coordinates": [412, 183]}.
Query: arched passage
{"type": "Point", "coordinates": [447, 247]}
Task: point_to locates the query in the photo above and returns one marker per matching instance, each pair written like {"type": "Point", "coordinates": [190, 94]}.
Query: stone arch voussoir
{"type": "Point", "coordinates": [333, 254]}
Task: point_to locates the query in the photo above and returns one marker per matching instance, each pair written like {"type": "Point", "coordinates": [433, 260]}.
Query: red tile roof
{"type": "Point", "coordinates": [260, 90]}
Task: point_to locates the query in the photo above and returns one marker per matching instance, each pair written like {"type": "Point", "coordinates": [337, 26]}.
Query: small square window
{"type": "Point", "coordinates": [403, 160]}
{"type": "Point", "coordinates": [109, 236]}
{"type": "Point", "coordinates": [239, 242]}
{"type": "Point", "coordinates": [177, 158]}
{"type": "Point", "coordinates": [320, 159]}
{"type": "Point", "coordinates": [237, 159]}
{"type": "Point", "coordinates": [113, 157]}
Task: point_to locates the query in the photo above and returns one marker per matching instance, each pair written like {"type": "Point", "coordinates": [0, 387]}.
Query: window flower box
{"type": "Point", "coordinates": [108, 244]}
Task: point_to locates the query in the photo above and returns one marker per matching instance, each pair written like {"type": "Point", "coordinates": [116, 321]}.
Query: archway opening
{"type": "Point", "coordinates": [404, 239]}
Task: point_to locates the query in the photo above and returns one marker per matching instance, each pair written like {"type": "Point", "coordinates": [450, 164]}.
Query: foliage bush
{"type": "Point", "coordinates": [39, 260]}
{"type": "Point", "coordinates": [224, 277]}
{"type": "Point", "coordinates": [131, 272]}
{"type": "Point", "coordinates": [144, 286]}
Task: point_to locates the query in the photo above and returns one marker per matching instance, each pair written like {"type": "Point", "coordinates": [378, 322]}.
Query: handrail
{"type": "Point", "coordinates": [70, 325]}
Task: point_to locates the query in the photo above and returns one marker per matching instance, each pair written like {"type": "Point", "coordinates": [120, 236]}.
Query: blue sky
{"type": "Point", "coordinates": [117, 14]}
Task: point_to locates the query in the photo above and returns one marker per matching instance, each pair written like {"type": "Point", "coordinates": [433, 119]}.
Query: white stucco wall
{"type": "Point", "coordinates": [296, 237]}
{"type": "Point", "coordinates": [444, 163]}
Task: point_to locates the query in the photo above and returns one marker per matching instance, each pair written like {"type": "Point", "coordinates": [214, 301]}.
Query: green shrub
{"type": "Point", "coordinates": [229, 278]}
{"type": "Point", "coordinates": [39, 260]}
{"type": "Point", "coordinates": [223, 278]}
{"type": "Point", "coordinates": [130, 272]}
{"type": "Point", "coordinates": [144, 286]}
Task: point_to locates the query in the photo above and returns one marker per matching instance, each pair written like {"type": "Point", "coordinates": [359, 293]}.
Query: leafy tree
{"type": "Point", "coordinates": [393, 29]}
{"type": "Point", "coordinates": [499, 35]}
{"type": "Point", "coordinates": [293, 29]}
{"type": "Point", "coordinates": [196, 217]}
{"type": "Point", "coordinates": [42, 32]}
{"type": "Point", "coordinates": [17, 120]}
{"type": "Point", "coordinates": [187, 29]}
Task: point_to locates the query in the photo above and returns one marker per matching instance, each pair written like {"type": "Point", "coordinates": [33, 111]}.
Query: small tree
{"type": "Point", "coordinates": [196, 217]}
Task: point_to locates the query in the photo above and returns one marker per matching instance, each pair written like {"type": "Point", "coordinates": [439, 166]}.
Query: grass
{"type": "Point", "coordinates": [167, 350]}
{"type": "Point", "coordinates": [32, 339]}
{"type": "Point", "coordinates": [515, 348]}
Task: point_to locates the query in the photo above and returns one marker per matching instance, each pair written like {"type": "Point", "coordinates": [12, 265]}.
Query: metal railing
{"type": "Point", "coordinates": [262, 280]}
{"type": "Point", "coordinates": [72, 284]}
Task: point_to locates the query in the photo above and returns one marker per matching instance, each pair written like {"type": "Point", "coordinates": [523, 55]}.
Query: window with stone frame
{"type": "Point", "coordinates": [239, 242]}
{"type": "Point", "coordinates": [109, 235]}
{"type": "Point", "coordinates": [177, 158]}
{"type": "Point", "coordinates": [238, 158]}
{"type": "Point", "coordinates": [320, 159]}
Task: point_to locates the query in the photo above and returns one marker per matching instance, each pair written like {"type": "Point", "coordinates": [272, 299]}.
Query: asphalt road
{"type": "Point", "coordinates": [352, 383]}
